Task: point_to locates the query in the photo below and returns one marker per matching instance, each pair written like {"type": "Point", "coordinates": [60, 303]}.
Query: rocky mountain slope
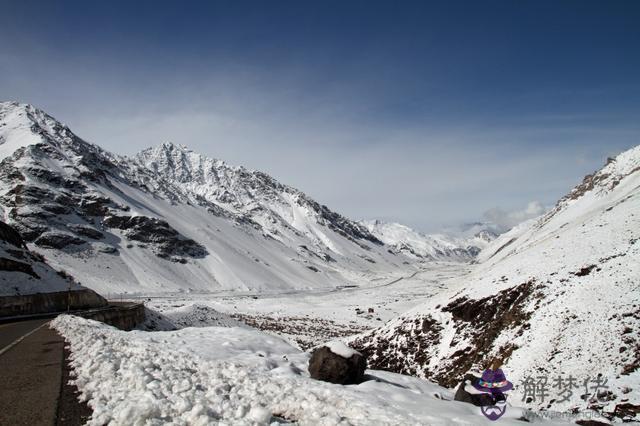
{"type": "Point", "coordinates": [29, 285]}
{"type": "Point", "coordinates": [556, 296]}
{"type": "Point", "coordinates": [24, 272]}
{"type": "Point", "coordinates": [170, 219]}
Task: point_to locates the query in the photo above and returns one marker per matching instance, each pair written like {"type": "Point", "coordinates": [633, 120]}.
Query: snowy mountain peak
{"type": "Point", "coordinates": [24, 125]}
{"type": "Point", "coordinates": [179, 163]}
{"type": "Point", "coordinates": [20, 115]}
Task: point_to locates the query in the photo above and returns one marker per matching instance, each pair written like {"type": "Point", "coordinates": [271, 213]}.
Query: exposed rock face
{"type": "Point", "coordinates": [11, 265]}
{"type": "Point", "coordinates": [10, 235]}
{"type": "Point", "coordinates": [86, 231]}
{"type": "Point", "coordinates": [167, 240]}
{"type": "Point", "coordinates": [330, 367]}
{"type": "Point", "coordinates": [58, 240]}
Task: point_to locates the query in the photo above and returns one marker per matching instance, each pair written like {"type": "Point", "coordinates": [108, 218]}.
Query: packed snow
{"type": "Point", "coordinates": [215, 375]}
{"type": "Point", "coordinates": [340, 349]}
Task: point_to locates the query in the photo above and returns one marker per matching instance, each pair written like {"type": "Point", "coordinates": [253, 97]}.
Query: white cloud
{"type": "Point", "coordinates": [506, 220]}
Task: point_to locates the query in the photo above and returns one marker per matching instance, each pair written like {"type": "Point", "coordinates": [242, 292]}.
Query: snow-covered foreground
{"type": "Point", "coordinates": [218, 375]}
{"type": "Point", "coordinates": [312, 317]}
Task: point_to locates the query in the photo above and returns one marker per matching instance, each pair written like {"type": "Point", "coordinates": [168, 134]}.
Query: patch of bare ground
{"type": "Point", "coordinates": [479, 321]}
{"type": "Point", "coordinates": [407, 350]}
{"type": "Point", "coordinates": [305, 332]}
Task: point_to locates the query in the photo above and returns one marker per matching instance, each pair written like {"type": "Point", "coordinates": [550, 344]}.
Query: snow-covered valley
{"type": "Point", "coordinates": [309, 318]}
{"type": "Point", "coordinates": [241, 274]}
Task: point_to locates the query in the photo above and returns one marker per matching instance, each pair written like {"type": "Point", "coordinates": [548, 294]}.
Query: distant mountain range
{"type": "Point", "coordinates": [431, 246]}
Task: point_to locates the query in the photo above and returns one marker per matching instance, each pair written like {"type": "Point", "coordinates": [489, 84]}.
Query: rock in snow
{"type": "Point", "coordinates": [467, 393]}
{"type": "Point", "coordinates": [335, 362]}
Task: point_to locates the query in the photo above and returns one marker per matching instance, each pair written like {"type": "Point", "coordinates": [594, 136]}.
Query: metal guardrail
{"type": "Point", "coordinates": [113, 305]}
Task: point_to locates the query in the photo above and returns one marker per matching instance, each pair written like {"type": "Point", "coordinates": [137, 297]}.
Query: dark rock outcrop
{"type": "Point", "coordinates": [480, 400]}
{"type": "Point", "coordinates": [11, 265]}
{"type": "Point", "coordinates": [330, 367]}
{"type": "Point", "coordinates": [58, 240]}
{"type": "Point", "coordinates": [167, 241]}
{"type": "Point", "coordinates": [86, 231]}
{"type": "Point", "coordinates": [10, 235]}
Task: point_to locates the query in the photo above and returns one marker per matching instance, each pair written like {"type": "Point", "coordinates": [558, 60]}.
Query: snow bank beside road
{"type": "Point", "coordinates": [212, 375]}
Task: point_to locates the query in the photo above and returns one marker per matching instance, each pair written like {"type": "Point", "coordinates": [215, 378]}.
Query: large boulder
{"type": "Point", "coordinates": [467, 393]}
{"type": "Point", "coordinates": [336, 362]}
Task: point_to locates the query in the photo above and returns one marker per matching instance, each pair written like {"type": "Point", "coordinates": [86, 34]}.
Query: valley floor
{"type": "Point", "coordinates": [309, 318]}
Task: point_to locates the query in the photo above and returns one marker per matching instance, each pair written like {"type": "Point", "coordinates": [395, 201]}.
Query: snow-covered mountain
{"type": "Point", "coordinates": [556, 296]}
{"type": "Point", "coordinates": [428, 247]}
{"type": "Point", "coordinates": [279, 210]}
{"type": "Point", "coordinates": [169, 219]}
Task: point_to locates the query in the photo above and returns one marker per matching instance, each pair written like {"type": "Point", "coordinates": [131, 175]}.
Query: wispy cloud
{"type": "Point", "coordinates": [506, 220]}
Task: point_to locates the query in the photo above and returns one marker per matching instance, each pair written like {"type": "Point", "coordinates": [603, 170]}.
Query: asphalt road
{"type": "Point", "coordinates": [12, 331]}
{"type": "Point", "coordinates": [31, 373]}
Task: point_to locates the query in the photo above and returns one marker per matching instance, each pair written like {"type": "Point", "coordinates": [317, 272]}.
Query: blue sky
{"type": "Point", "coordinates": [424, 113]}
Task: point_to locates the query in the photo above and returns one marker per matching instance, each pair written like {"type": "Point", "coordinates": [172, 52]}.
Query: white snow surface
{"type": "Point", "coordinates": [340, 349]}
{"type": "Point", "coordinates": [234, 376]}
